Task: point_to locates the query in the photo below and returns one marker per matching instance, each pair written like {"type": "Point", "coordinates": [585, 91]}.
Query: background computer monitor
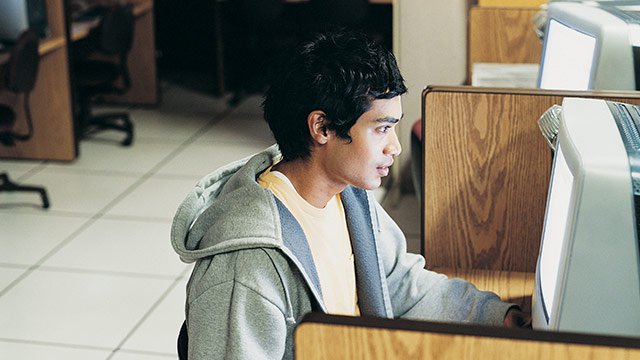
{"type": "Point", "coordinates": [588, 47]}
{"type": "Point", "coordinates": [16, 16]}
{"type": "Point", "coordinates": [587, 277]}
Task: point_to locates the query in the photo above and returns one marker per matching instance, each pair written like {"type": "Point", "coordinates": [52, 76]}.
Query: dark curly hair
{"type": "Point", "coordinates": [339, 73]}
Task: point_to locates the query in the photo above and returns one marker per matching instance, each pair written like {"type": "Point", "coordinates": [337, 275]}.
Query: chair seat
{"type": "Point", "coordinates": [95, 72]}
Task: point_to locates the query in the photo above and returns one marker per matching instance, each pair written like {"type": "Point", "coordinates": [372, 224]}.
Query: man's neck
{"type": "Point", "coordinates": [310, 181]}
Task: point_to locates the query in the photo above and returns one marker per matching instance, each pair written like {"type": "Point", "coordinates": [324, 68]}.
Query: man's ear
{"type": "Point", "coordinates": [316, 121]}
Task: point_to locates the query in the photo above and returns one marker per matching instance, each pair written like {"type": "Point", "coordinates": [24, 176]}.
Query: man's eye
{"type": "Point", "coordinates": [384, 129]}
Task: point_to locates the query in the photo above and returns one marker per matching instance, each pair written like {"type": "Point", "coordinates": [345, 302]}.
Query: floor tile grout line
{"type": "Point", "coordinates": [195, 136]}
{"type": "Point", "coordinates": [155, 305]}
{"type": "Point", "coordinates": [6, 265]}
{"type": "Point", "coordinates": [33, 171]}
{"type": "Point", "coordinates": [100, 213]}
{"type": "Point", "coordinates": [124, 274]}
{"type": "Point", "coordinates": [6, 208]}
{"type": "Point", "coordinates": [55, 344]}
{"type": "Point", "coordinates": [160, 163]}
{"type": "Point", "coordinates": [90, 220]}
{"type": "Point", "coordinates": [50, 253]}
{"type": "Point", "coordinates": [142, 352]}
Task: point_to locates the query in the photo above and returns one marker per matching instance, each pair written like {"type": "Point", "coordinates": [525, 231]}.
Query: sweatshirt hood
{"type": "Point", "coordinates": [228, 210]}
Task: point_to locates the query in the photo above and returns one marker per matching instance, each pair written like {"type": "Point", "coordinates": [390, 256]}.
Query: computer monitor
{"type": "Point", "coordinates": [587, 276]}
{"type": "Point", "coordinates": [591, 46]}
{"type": "Point", "coordinates": [16, 16]}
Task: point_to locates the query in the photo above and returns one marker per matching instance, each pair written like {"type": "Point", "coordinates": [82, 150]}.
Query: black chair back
{"type": "Point", "coordinates": [22, 68]}
{"type": "Point", "coordinates": [20, 76]}
{"type": "Point", "coordinates": [116, 31]}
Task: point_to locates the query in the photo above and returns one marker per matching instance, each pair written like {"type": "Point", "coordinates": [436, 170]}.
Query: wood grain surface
{"type": "Point", "coordinates": [385, 339]}
{"type": "Point", "coordinates": [486, 170]}
{"type": "Point", "coordinates": [502, 35]}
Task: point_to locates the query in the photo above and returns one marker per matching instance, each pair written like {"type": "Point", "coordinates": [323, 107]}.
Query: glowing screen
{"type": "Point", "coordinates": [568, 58]}
{"type": "Point", "coordinates": [554, 230]}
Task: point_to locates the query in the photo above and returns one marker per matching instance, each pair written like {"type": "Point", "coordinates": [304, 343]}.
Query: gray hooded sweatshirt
{"type": "Point", "coordinates": [254, 277]}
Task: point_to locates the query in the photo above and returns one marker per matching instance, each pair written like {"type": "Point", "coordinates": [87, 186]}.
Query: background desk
{"type": "Point", "coordinates": [51, 103]}
{"type": "Point", "coordinates": [53, 137]}
{"type": "Point", "coordinates": [141, 60]}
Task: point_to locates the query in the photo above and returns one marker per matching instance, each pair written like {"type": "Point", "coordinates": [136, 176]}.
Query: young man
{"type": "Point", "coordinates": [293, 229]}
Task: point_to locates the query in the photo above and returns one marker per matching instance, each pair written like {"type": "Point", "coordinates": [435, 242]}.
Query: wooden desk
{"type": "Point", "coordinates": [51, 105]}
{"type": "Point", "coordinates": [53, 137]}
{"type": "Point", "coordinates": [321, 336]}
{"type": "Point", "coordinates": [141, 60]}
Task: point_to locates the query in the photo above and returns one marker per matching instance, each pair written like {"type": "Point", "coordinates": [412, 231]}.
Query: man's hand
{"type": "Point", "coordinates": [516, 318]}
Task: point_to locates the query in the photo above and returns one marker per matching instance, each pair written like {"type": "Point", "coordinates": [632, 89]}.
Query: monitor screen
{"type": "Point", "coordinates": [554, 230]}
{"type": "Point", "coordinates": [568, 58]}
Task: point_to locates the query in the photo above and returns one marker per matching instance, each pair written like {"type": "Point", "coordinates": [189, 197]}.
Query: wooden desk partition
{"type": "Point", "coordinates": [53, 137]}
{"type": "Point", "coordinates": [321, 336]}
{"type": "Point", "coordinates": [502, 35]}
{"type": "Point", "coordinates": [486, 169]}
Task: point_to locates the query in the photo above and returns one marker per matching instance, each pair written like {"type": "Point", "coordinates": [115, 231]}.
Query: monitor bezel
{"type": "Point", "coordinates": [570, 160]}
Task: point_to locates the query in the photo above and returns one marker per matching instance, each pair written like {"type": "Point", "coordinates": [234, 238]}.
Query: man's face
{"type": "Point", "coordinates": [367, 158]}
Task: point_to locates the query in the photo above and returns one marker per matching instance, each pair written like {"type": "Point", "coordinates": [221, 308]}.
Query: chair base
{"type": "Point", "coordinates": [7, 185]}
{"type": "Point", "coordinates": [111, 121]}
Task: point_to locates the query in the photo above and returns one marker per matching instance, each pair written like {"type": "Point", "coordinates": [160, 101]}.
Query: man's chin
{"type": "Point", "coordinates": [371, 186]}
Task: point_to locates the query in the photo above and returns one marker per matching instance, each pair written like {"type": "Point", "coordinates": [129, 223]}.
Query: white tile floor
{"type": "Point", "coordinates": [94, 276]}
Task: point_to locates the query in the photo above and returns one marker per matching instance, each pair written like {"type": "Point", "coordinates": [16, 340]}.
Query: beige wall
{"type": "Point", "coordinates": [430, 44]}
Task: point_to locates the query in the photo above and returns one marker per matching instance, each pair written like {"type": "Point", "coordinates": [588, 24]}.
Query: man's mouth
{"type": "Point", "coordinates": [384, 169]}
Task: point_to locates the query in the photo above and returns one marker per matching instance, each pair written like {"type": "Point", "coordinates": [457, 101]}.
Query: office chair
{"type": "Point", "coordinates": [416, 158]}
{"type": "Point", "coordinates": [95, 77]}
{"type": "Point", "coordinates": [19, 77]}
{"type": "Point", "coordinates": [183, 342]}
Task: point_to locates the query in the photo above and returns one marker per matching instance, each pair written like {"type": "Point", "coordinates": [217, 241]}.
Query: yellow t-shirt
{"type": "Point", "coordinates": [329, 241]}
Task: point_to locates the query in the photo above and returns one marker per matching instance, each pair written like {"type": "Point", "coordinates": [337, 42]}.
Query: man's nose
{"type": "Point", "coordinates": [393, 148]}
